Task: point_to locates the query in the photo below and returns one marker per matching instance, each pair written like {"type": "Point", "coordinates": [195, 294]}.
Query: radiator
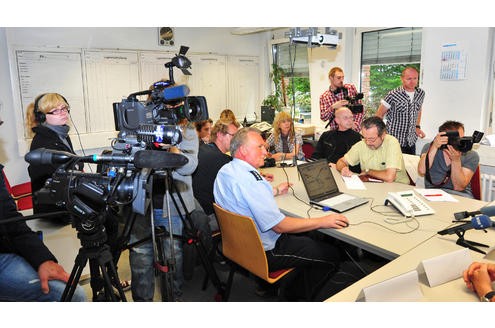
{"type": "Point", "coordinates": [487, 187]}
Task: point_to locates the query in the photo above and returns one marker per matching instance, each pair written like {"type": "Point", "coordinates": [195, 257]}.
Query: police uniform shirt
{"type": "Point", "coordinates": [240, 188]}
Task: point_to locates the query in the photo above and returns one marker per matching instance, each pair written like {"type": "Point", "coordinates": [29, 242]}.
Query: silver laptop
{"type": "Point", "coordinates": [322, 189]}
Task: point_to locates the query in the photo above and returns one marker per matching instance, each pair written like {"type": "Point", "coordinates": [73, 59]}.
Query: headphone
{"type": "Point", "coordinates": [40, 116]}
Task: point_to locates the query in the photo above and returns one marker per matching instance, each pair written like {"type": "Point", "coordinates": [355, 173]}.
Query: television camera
{"type": "Point", "coordinates": [88, 196]}
{"type": "Point", "coordinates": [353, 102]}
{"type": "Point", "coordinates": [155, 120]}
{"type": "Point", "coordinates": [462, 144]}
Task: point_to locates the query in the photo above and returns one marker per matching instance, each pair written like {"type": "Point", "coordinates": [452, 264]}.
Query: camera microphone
{"type": "Point", "coordinates": [48, 156]}
{"type": "Point", "coordinates": [156, 159]}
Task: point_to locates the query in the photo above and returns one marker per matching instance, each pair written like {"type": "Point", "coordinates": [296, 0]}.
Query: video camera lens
{"type": "Point", "coordinates": [195, 109]}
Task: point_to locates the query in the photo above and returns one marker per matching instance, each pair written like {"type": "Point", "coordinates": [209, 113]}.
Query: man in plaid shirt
{"type": "Point", "coordinates": [334, 98]}
{"type": "Point", "coordinates": [403, 107]}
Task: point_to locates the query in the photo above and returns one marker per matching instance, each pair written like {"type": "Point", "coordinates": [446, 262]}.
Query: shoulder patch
{"type": "Point", "coordinates": [257, 175]}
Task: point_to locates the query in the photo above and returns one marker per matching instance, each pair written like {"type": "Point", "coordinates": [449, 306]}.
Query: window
{"type": "Point", "coordinates": [292, 59]}
{"type": "Point", "coordinates": [384, 54]}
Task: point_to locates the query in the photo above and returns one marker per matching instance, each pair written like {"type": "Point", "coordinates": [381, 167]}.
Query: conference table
{"type": "Point", "coordinates": [368, 224]}
{"type": "Point", "coordinates": [404, 242]}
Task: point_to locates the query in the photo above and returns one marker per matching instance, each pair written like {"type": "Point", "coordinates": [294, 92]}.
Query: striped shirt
{"type": "Point", "coordinates": [327, 113]}
{"type": "Point", "coordinates": [402, 114]}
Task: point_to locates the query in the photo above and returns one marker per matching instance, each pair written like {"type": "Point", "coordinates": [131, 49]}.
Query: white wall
{"type": "Point", "coordinates": [200, 40]}
{"type": "Point", "coordinates": [464, 100]}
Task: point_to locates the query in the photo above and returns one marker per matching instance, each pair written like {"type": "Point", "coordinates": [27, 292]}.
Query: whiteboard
{"type": "Point", "coordinates": [111, 76]}
{"type": "Point", "coordinates": [92, 80]}
{"type": "Point", "coordinates": [61, 72]}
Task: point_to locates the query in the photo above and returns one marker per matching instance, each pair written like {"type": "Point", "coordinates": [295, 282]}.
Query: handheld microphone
{"type": "Point", "coordinates": [175, 93]}
{"type": "Point", "coordinates": [479, 222]}
{"type": "Point", "coordinates": [487, 210]}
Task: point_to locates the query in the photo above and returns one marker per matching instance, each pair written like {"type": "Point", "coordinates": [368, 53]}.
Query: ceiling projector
{"type": "Point", "coordinates": [313, 39]}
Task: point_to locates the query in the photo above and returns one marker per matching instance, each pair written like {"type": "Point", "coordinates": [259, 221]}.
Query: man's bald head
{"type": "Point", "coordinates": [344, 118]}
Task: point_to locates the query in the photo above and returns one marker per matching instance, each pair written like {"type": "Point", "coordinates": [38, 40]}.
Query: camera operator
{"type": "Point", "coordinates": [141, 256]}
{"type": "Point", "coordinates": [28, 270]}
{"type": "Point", "coordinates": [334, 98]}
{"type": "Point", "coordinates": [446, 167]}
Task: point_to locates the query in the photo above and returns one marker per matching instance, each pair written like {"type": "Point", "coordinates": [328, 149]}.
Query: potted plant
{"type": "Point", "coordinates": [274, 102]}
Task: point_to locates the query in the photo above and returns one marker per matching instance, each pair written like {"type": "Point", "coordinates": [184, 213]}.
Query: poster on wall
{"type": "Point", "coordinates": [453, 62]}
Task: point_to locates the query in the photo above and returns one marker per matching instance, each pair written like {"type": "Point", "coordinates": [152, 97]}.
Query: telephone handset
{"type": "Point", "coordinates": [408, 203]}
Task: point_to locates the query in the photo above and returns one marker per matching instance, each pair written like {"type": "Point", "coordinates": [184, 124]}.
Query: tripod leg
{"type": "Point", "coordinates": [110, 275]}
{"type": "Point", "coordinates": [75, 275]}
{"type": "Point", "coordinates": [165, 272]}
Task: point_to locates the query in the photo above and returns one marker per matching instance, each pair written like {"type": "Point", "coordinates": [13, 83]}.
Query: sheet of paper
{"type": "Point", "coordinates": [436, 195]}
{"type": "Point", "coordinates": [403, 288]}
{"type": "Point", "coordinates": [353, 182]}
{"type": "Point", "coordinates": [446, 267]}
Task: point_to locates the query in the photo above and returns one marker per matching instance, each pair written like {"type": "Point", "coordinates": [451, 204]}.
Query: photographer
{"type": "Point", "coordinates": [335, 97]}
{"type": "Point", "coordinates": [446, 167]}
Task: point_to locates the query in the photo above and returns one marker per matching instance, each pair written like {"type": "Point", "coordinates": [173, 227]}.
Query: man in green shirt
{"type": "Point", "coordinates": [378, 153]}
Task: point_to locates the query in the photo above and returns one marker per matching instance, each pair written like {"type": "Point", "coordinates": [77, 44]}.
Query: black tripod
{"type": "Point", "coordinates": [102, 268]}
{"type": "Point", "coordinates": [191, 235]}
{"type": "Point", "coordinates": [166, 265]}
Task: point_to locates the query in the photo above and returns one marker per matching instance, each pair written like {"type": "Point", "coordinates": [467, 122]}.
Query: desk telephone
{"type": "Point", "coordinates": [408, 203]}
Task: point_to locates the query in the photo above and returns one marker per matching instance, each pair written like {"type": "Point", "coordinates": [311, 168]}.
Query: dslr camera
{"type": "Point", "coordinates": [463, 144]}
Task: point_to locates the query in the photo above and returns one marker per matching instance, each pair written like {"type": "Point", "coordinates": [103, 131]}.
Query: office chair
{"type": "Point", "coordinates": [308, 148]}
{"type": "Point", "coordinates": [21, 193]}
{"type": "Point", "coordinates": [476, 184]}
{"type": "Point", "coordinates": [241, 244]}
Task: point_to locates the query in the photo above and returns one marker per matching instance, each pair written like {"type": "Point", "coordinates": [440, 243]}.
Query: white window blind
{"type": "Point", "coordinates": [397, 45]}
{"type": "Point", "coordinates": [286, 55]}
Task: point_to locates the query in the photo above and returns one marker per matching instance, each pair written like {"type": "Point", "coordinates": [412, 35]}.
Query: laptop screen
{"type": "Point", "coordinates": [318, 179]}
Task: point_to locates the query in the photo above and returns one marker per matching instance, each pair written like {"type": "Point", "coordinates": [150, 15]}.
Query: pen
{"type": "Point", "coordinates": [433, 195]}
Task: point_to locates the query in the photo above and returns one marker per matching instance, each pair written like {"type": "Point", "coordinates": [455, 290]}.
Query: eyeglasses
{"type": "Point", "coordinates": [372, 140]}
{"type": "Point", "coordinates": [58, 111]}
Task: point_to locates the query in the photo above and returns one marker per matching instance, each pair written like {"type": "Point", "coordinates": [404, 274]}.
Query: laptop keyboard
{"type": "Point", "coordinates": [336, 200]}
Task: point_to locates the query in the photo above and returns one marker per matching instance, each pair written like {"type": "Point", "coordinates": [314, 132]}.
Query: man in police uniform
{"type": "Point", "coordinates": [287, 242]}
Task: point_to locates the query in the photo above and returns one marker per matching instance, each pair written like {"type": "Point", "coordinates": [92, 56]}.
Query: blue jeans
{"type": "Point", "coordinates": [141, 257]}
{"type": "Point", "coordinates": [20, 282]}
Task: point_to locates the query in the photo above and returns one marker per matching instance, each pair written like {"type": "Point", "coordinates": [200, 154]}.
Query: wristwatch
{"type": "Point", "coordinates": [488, 297]}
{"type": "Point", "coordinates": [418, 127]}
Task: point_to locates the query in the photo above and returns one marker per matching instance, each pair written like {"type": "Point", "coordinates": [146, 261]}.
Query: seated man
{"type": "Point", "coordinates": [241, 189]}
{"type": "Point", "coordinates": [28, 270]}
{"type": "Point", "coordinates": [333, 144]}
{"type": "Point", "coordinates": [445, 167]}
{"type": "Point", "coordinates": [379, 154]}
{"type": "Point", "coordinates": [211, 157]}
